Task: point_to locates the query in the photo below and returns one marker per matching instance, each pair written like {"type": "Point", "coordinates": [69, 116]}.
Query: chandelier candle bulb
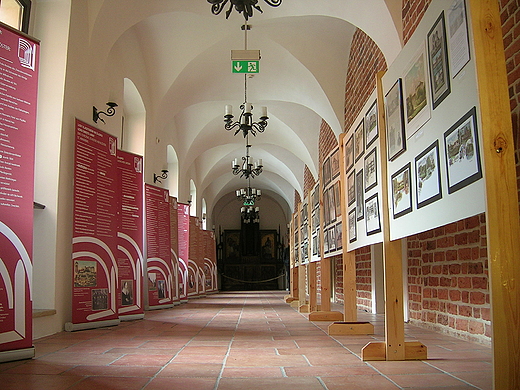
{"type": "Point", "coordinates": [260, 162]}
{"type": "Point", "coordinates": [229, 109]}
{"type": "Point", "coordinates": [264, 112]}
{"type": "Point", "coordinates": [248, 108]}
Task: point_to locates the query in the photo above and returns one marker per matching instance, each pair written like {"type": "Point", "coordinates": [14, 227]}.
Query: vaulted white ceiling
{"type": "Point", "coordinates": [184, 78]}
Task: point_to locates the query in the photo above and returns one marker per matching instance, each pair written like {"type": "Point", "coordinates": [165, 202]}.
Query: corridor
{"type": "Point", "coordinates": [240, 341]}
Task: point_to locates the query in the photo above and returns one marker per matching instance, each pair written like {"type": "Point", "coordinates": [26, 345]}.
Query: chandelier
{"type": "Point", "coordinates": [248, 195]}
{"type": "Point", "coordinates": [248, 169]}
{"type": "Point", "coordinates": [250, 214]}
{"type": "Point", "coordinates": [241, 6]}
{"type": "Point", "coordinates": [245, 121]}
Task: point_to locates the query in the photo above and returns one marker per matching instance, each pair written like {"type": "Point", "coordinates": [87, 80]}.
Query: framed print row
{"type": "Point", "coordinates": [333, 238]}
{"type": "Point", "coordinates": [331, 167]}
{"type": "Point", "coordinates": [364, 136]}
{"type": "Point", "coordinates": [463, 167]}
{"type": "Point", "coordinates": [332, 203]}
{"type": "Point", "coordinates": [370, 209]}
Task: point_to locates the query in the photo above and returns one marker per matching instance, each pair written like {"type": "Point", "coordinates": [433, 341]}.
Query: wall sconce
{"type": "Point", "coordinates": [163, 175]}
{"type": "Point", "coordinates": [110, 112]}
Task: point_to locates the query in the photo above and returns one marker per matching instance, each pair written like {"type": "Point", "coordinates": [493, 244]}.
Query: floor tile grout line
{"type": "Point", "coordinates": [452, 375]}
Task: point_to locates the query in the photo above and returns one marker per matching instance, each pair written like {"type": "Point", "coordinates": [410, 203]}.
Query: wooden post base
{"type": "Point", "coordinates": [304, 308]}
{"type": "Point", "coordinates": [296, 304]}
{"type": "Point", "coordinates": [326, 316]}
{"type": "Point", "coordinates": [289, 298]}
{"type": "Point", "coordinates": [344, 328]}
{"type": "Point", "coordinates": [413, 350]}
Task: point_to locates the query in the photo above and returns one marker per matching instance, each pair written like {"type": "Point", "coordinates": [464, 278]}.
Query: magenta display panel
{"type": "Point", "coordinates": [174, 246]}
{"type": "Point", "coordinates": [130, 260]}
{"type": "Point", "coordinates": [19, 60]}
{"type": "Point", "coordinates": [183, 212]}
{"type": "Point", "coordinates": [158, 246]}
{"type": "Point", "coordinates": [96, 183]}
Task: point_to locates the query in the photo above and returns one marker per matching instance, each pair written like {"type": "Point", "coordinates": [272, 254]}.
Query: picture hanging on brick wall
{"type": "Point", "coordinates": [462, 152]}
{"type": "Point", "coordinates": [326, 172]}
{"type": "Point", "coordinates": [351, 188]}
{"type": "Point", "coordinates": [395, 135]}
{"type": "Point", "coordinates": [459, 40]}
{"type": "Point", "coordinates": [371, 130]}
{"type": "Point", "coordinates": [401, 192]}
{"type": "Point", "coordinates": [438, 61]}
{"type": "Point", "coordinates": [349, 154]}
{"type": "Point", "coordinates": [360, 196]}
{"type": "Point", "coordinates": [428, 176]}
{"type": "Point", "coordinates": [339, 236]}
{"type": "Point", "coordinates": [334, 163]}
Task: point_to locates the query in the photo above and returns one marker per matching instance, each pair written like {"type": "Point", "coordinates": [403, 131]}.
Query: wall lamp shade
{"type": "Point", "coordinates": [245, 7]}
{"type": "Point", "coordinates": [163, 175]}
{"type": "Point", "coordinates": [111, 110]}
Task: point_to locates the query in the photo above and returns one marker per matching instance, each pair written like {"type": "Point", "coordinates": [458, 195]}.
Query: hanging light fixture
{"type": "Point", "coordinates": [248, 169]}
{"type": "Point", "coordinates": [248, 195]}
{"type": "Point", "coordinates": [250, 214]}
{"type": "Point", "coordinates": [241, 6]}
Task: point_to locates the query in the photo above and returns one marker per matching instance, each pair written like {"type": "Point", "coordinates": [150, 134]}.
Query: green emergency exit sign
{"type": "Point", "coordinates": [245, 66]}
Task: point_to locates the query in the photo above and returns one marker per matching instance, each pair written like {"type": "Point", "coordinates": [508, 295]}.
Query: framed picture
{"type": "Point", "coordinates": [232, 244]}
{"type": "Point", "coordinates": [349, 154]}
{"type": "Point", "coordinates": [326, 172]}
{"type": "Point", "coordinates": [370, 170]}
{"type": "Point", "coordinates": [351, 189]}
{"type": "Point", "coordinates": [332, 239]}
{"type": "Point", "coordinates": [462, 150]}
{"type": "Point", "coordinates": [315, 245]}
{"type": "Point", "coordinates": [371, 130]}
{"type": "Point", "coordinates": [360, 196]}
{"type": "Point", "coordinates": [395, 136]}
{"type": "Point", "coordinates": [326, 208]}
{"type": "Point", "coordinates": [352, 231]}
{"type": "Point", "coordinates": [339, 236]}
{"type": "Point", "coordinates": [337, 198]}
{"type": "Point", "coordinates": [268, 243]}
{"type": "Point", "coordinates": [372, 220]}
{"type": "Point", "coordinates": [401, 193]}
{"type": "Point", "coordinates": [459, 40]}
{"type": "Point", "coordinates": [326, 241]}
{"type": "Point", "coordinates": [334, 163]}
{"type": "Point", "coordinates": [417, 107]}
{"type": "Point", "coordinates": [359, 140]}
{"type": "Point", "coordinates": [428, 176]}
{"type": "Point", "coordinates": [331, 205]}
{"type": "Point", "coordinates": [438, 60]}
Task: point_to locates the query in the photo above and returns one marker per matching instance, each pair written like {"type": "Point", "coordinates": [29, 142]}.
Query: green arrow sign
{"type": "Point", "coordinates": [245, 66]}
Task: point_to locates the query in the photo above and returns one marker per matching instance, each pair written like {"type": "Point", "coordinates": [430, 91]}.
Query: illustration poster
{"type": "Point", "coordinates": [183, 229]}
{"type": "Point", "coordinates": [19, 62]}
{"type": "Point", "coordinates": [130, 260]}
{"type": "Point", "coordinates": [95, 226]}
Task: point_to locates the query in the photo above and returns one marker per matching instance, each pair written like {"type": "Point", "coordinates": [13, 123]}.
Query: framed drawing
{"type": "Point", "coordinates": [339, 236]}
{"type": "Point", "coordinates": [401, 193]}
{"type": "Point", "coordinates": [359, 140]}
{"type": "Point", "coordinates": [462, 150]}
{"type": "Point", "coordinates": [370, 170]}
{"type": "Point", "coordinates": [332, 239]}
{"type": "Point", "coordinates": [352, 232]}
{"type": "Point", "coordinates": [372, 220]}
{"type": "Point", "coordinates": [326, 172]}
{"type": "Point", "coordinates": [459, 40]}
{"type": "Point", "coordinates": [395, 136]}
{"type": "Point", "coordinates": [334, 164]}
{"type": "Point", "coordinates": [360, 196]}
{"type": "Point", "coordinates": [371, 130]}
{"type": "Point", "coordinates": [326, 208]}
{"type": "Point", "coordinates": [325, 241]}
{"type": "Point", "coordinates": [337, 198]}
{"type": "Point", "coordinates": [351, 189]}
{"type": "Point", "coordinates": [332, 204]}
{"type": "Point", "coordinates": [349, 154]}
{"type": "Point", "coordinates": [428, 176]}
{"type": "Point", "coordinates": [438, 60]}
{"type": "Point", "coordinates": [417, 107]}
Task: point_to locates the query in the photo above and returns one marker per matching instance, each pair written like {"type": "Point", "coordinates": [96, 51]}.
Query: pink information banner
{"type": "Point", "coordinates": [19, 60]}
{"type": "Point", "coordinates": [130, 260]}
{"type": "Point", "coordinates": [174, 246]}
{"type": "Point", "coordinates": [183, 212]}
{"type": "Point", "coordinates": [210, 261]}
{"type": "Point", "coordinates": [158, 245]}
{"type": "Point", "coordinates": [94, 251]}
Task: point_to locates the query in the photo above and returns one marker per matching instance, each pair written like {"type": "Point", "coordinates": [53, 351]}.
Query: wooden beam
{"type": "Point", "coordinates": [325, 283]}
{"type": "Point", "coordinates": [502, 217]}
{"type": "Point", "coordinates": [311, 275]}
{"type": "Point", "coordinates": [302, 293]}
{"type": "Point", "coordinates": [413, 350]}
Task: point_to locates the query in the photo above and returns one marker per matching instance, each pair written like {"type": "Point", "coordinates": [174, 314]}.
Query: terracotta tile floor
{"type": "Point", "coordinates": [243, 341]}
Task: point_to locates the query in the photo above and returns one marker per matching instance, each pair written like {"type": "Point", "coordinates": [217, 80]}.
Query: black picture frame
{"type": "Point", "coordinates": [326, 172]}
{"type": "Point", "coordinates": [360, 191]}
{"type": "Point", "coordinates": [349, 154]}
{"type": "Point", "coordinates": [395, 130]}
{"type": "Point", "coordinates": [371, 125]}
{"type": "Point", "coordinates": [438, 61]}
{"type": "Point", "coordinates": [402, 191]}
{"type": "Point", "coordinates": [372, 217]}
{"type": "Point", "coordinates": [352, 226]}
{"type": "Point", "coordinates": [370, 166]}
{"type": "Point", "coordinates": [359, 141]}
{"type": "Point", "coordinates": [339, 236]}
{"type": "Point", "coordinates": [461, 143]}
{"type": "Point", "coordinates": [428, 176]}
{"type": "Point", "coordinates": [351, 187]}
{"type": "Point", "coordinates": [334, 164]}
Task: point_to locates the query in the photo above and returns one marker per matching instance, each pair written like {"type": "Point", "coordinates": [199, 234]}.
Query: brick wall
{"type": "Point", "coordinates": [364, 278]}
{"type": "Point", "coordinates": [308, 181]}
{"type": "Point", "coordinates": [510, 15]}
{"type": "Point", "coordinates": [448, 279]}
{"type": "Point", "coordinates": [366, 59]}
{"type": "Point", "coordinates": [413, 11]}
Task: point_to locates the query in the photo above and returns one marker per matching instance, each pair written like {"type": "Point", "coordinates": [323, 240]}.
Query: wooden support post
{"type": "Point", "coordinates": [302, 293]}
{"type": "Point", "coordinates": [503, 226]}
{"type": "Point", "coordinates": [311, 275]}
{"type": "Point", "coordinates": [394, 346]}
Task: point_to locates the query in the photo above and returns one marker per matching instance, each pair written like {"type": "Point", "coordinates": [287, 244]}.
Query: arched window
{"type": "Point", "coordinates": [134, 120]}
{"type": "Point", "coordinates": [16, 13]}
{"type": "Point", "coordinates": [173, 172]}
{"type": "Point", "coordinates": [204, 214]}
{"type": "Point", "coordinates": [193, 199]}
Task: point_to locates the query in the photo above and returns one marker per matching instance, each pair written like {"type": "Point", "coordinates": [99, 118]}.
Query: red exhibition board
{"type": "Point", "coordinates": [158, 243]}
{"type": "Point", "coordinates": [19, 61]}
{"type": "Point", "coordinates": [94, 250]}
{"type": "Point", "coordinates": [210, 261]}
{"type": "Point", "coordinates": [194, 285]}
{"type": "Point", "coordinates": [130, 259]}
{"type": "Point", "coordinates": [183, 229]}
{"type": "Point", "coordinates": [174, 246]}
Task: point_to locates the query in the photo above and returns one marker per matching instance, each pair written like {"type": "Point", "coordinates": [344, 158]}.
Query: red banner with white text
{"type": "Point", "coordinates": [183, 212]}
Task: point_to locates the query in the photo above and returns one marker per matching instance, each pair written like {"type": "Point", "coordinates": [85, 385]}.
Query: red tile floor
{"type": "Point", "coordinates": [243, 341]}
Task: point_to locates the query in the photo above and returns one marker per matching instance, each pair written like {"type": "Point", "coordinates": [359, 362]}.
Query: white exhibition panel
{"type": "Point", "coordinates": [363, 239]}
{"type": "Point", "coordinates": [466, 201]}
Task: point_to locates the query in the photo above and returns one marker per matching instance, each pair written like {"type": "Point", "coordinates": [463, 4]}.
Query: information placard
{"type": "Point", "coordinates": [183, 213]}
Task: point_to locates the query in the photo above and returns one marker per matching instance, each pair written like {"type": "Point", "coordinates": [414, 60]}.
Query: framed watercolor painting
{"type": "Point", "coordinates": [395, 135]}
{"type": "Point", "coordinates": [428, 176]}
